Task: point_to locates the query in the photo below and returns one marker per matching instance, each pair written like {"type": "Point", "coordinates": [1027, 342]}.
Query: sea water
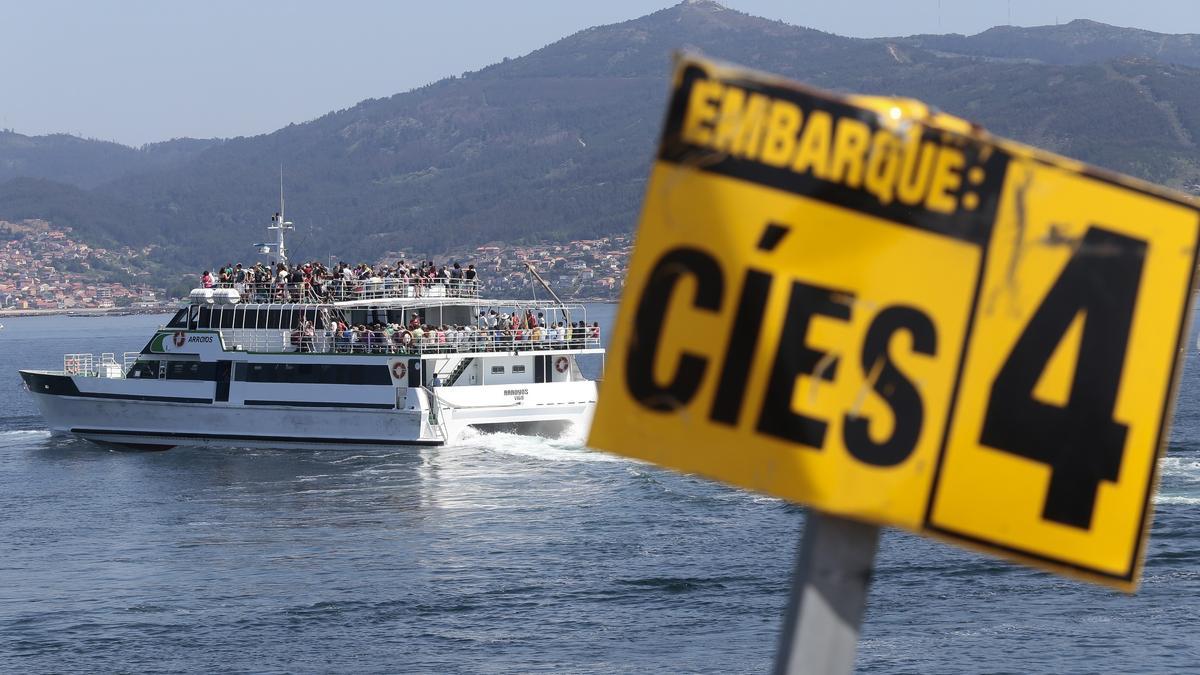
{"type": "Point", "coordinates": [499, 554]}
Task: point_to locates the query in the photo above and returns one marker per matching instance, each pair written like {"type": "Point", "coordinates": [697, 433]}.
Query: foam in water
{"type": "Point", "coordinates": [1184, 467]}
{"type": "Point", "coordinates": [25, 433]}
{"type": "Point", "coordinates": [1176, 499]}
{"type": "Point", "coordinates": [566, 448]}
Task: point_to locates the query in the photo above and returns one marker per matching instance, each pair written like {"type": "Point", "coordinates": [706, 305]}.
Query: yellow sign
{"type": "Point", "coordinates": [883, 312]}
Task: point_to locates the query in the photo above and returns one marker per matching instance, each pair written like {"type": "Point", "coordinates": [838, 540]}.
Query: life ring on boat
{"type": "Point", "coordinates": [398, 370]}
{"type": "Point", "coordinates": [561, 364]}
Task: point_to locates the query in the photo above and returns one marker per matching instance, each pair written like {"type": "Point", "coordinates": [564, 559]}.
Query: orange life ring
{"type": "Point", "coordinates": [398, 370]}
{"type": "Point", "coordinates": [561, 364]}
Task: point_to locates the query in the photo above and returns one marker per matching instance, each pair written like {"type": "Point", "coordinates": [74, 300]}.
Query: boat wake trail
{"type": "Point", "coordinates": [566, 448]}
{"type": "Point", "coordinates": [22, 435]}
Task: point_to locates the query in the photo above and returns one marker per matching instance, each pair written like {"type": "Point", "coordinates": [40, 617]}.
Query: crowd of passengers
{"type": "Point", "coordinates": [491, 331]}
{"type": "Point", "coordinates": [296, 283]}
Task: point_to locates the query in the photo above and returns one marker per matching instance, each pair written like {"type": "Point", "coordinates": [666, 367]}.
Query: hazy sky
{"type": "Point", "coordinates": [137, 71]}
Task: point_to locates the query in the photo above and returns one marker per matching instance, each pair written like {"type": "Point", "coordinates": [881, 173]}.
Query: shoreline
{"type": "Point", "coordinates": [89, 311]}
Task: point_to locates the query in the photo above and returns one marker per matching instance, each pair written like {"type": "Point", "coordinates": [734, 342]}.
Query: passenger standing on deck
{"type": "Point", "coordinates": [469, 280]}
{"type": "Point", "coordinates": [206, 279]}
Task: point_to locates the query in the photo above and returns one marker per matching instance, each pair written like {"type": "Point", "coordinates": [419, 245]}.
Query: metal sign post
{"type": "Point", "coordinates": [829, 594]}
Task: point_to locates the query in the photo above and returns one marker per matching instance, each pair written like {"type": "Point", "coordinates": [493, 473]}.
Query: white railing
{"type": "Point", "coordinates": [403, 342]}
{"type": "Point", "coordinates": [78, 364]}
{"type": "Point", "coordinates": [89, 365]}
{"type": "Point", "coordinates": [343, 290]}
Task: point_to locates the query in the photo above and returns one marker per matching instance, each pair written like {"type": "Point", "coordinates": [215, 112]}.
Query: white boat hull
{"type": "Point", "coordinates": [86, 407]}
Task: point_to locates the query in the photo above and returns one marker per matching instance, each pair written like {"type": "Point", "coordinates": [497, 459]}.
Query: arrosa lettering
{"type": "Point", "coordinates": [200, 338]}
{"type": "Point", "coordinates": [893, 166]}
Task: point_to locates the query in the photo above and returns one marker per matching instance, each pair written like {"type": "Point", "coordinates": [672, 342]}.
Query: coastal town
{"type": "Point", "coordinates": [45, 268]}
{"type": "Point", "coordinates": [590, 269]}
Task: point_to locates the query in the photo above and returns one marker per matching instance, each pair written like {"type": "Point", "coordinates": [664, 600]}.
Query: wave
{"type": "Point", "coordinates": [1176, 499]}
{"type": "Point", "coordinates": [24, 433]}
{"type": "Point", "coordinates": [566, 448]}
{"type": "Point", "coordinates": [1188, 467]}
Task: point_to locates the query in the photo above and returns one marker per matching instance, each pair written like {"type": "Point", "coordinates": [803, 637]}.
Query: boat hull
{"type": "Point", "coordinates": [143, 422]}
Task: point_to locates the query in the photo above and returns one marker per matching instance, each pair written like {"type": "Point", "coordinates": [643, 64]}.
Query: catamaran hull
{"type": "Point", "coordinates": [133, 421]}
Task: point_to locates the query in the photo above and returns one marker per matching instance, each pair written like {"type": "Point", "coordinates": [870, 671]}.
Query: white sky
{"type": "Point", "coordinates": [146, 70]}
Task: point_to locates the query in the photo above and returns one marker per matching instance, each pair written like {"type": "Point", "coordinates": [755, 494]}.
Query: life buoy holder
{"type": "Point", "coordinates": [561, 364]}
{"type": "Point", "coordinates": [398, 370]}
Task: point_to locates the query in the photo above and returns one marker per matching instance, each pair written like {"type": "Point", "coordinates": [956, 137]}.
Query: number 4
{"type": "Point", "coordinates": [1081, 442]}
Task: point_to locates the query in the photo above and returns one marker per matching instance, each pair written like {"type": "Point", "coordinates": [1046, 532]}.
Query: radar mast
{"type": "Point", "coordinates": [279, 224]}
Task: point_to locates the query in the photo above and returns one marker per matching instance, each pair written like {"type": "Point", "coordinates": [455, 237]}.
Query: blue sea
{"type": "Point", "coordinates": [502, 554]}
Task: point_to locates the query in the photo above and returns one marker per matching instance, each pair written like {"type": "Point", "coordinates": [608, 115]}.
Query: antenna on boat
{"type": "Point", "coordinates": [566, 312]}
{"type": "Point", "coordinates": [279, 224]}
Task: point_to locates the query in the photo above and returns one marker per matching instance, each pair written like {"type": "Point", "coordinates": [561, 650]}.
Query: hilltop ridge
{"type": "Point", "coordinates": [1077, 42]}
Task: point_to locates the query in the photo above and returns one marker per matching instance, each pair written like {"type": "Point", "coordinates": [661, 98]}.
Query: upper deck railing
{"type": "Point", "coordinates": [340, 290]}
{"type": "Point", "coordinates": [467, 340]}
{"type": "Point", "coordinates": [106, 365]}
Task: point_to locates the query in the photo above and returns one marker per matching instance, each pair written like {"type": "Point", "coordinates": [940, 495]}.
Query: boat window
{"type": "Point", "coordinates": [226, 317]}
{"type": "Point", "coordinates": [358, 317]}
{"type": "Point", "coordinates": [205, 318]}
{"type": "Point", "coordinates": [272, 318]}
{"type": "Point", "coordinates": [260, 318]}
{"type": "Point", "coordinates": [239, 316]}
{"type": "Point", "coordinates": [314, 373]}
{"type": "Point", "coordinates": [396, 316]}
{"type": "Point", "coordinates": [518, 369]}
{"type": "Point", "coordinates": [497, 370]}
{"type": "Point", "coordinates": [148, 369]}
{"type": "Point", "coordinates": [179, 320]}
{"type": "Point", "coordinates": [190, 370]}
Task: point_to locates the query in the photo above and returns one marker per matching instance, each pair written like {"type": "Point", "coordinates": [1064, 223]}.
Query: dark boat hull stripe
{"type": "Point", "coordinates": [252, 437]}
{"type": "Point", "coordinates": [324, 404]}
{"type": "Point", "coordinates": [135, 397]}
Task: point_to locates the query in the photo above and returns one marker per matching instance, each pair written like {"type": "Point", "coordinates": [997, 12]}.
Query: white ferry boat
{"type": "Point", "coordinates": [268, 367]}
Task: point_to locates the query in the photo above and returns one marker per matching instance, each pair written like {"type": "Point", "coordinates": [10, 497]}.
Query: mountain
{"type": "Point", "coordinates": [87, 163]}
{"type": "Point", "coordinates": [1078, 42]}
{"type": "Point", "coordinates": [557, 144]}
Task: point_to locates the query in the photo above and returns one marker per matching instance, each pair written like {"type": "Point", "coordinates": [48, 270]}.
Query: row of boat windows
{"type": "Point", "coordinates": [293, 373]}
{"type": "Point", "coordinates": [174, 370]}
{"type": "Point", "coordinates": [283, 318]}
{"type": "Point", "coordinates": [241, 317]}
{"type": "Point", "coordinates": [312, 373]}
